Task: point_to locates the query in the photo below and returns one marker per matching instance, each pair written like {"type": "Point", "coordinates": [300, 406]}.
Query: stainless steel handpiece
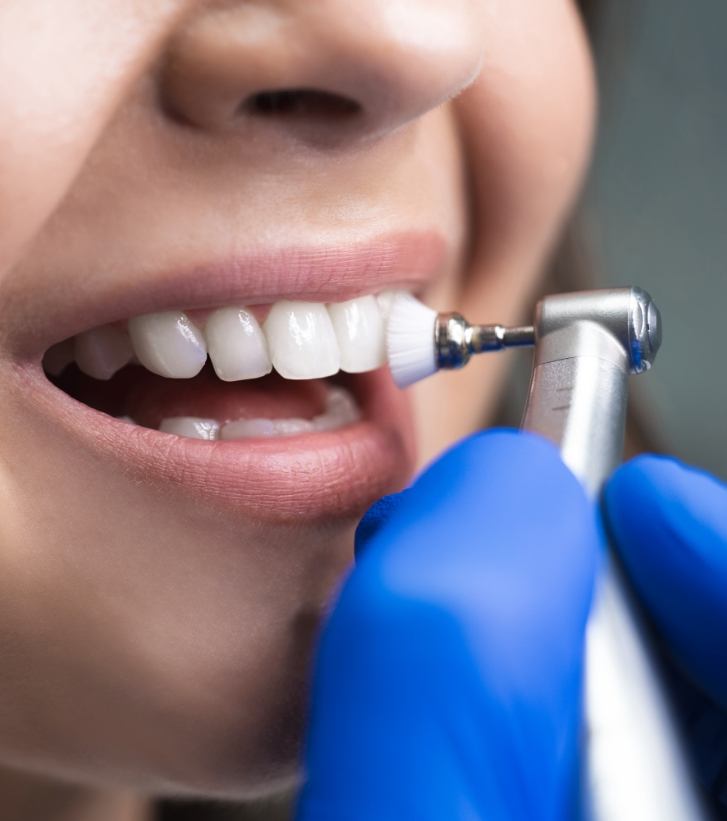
{"type": "Point", "coordinates": [587, 344]}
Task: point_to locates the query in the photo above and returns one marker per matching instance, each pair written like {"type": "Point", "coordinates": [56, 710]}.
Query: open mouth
{"type": "Point", "coordinates": [231, 373]}
{"type": "Point", "coordinates": [256, 386]}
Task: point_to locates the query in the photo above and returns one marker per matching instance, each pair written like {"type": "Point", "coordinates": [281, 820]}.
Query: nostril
{"type": "Point", "coordinates": [301, 103]}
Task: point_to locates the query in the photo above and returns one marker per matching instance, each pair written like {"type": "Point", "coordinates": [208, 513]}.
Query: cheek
{"type": "Point", "coordinates": [528, 124]}
{"type": "Point", "coordinates": [59, 89]}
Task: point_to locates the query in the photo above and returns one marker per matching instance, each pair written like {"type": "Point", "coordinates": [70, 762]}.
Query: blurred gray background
{"type": "Point", "coordinates": [656, 204]}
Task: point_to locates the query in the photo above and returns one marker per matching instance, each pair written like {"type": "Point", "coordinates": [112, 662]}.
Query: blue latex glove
{"type": "Point", "coordinates": [669, 523]}
{"type": "Point", "coordinates": [448, 681]}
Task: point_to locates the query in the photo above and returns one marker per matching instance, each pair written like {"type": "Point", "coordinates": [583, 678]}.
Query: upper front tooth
{"type": "Point", "coordinates": [360, 333]}
{"type": "Point", "coordinates": [236, 345]}
{"type": "Point", "coordinates": [168, 344]}
{"type": "Point", "coordinates": [385, 300]}
{"type": "Point", "coordinates": [102, 351]}
{"type": "Point", "coordinates": [302, 341]}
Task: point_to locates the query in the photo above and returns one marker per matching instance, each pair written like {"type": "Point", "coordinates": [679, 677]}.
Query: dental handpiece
{"type": "Point", "coordinates": [586, 345]}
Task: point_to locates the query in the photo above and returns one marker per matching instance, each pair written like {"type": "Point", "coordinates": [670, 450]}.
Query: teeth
{"type": "Point", "coordinates": [302, 340]}
{"type": "Point", "coordinates": [341, 410]}
{"type": "Point", "coordinates": [168, 344]}
{"type": "Point", "coordinates": [236, 345]}
{"type": "Point", "coordinates": [245, 428]}
{"type": "Point", "coordinates": [191, 427]}
{"type": "Point", "coordinates": [263, 428]}
{"type": "Point", "coordinates": [385, 300]}
{"type": "Point", "coordinates": [360, 333]}
{"type": "Point", "coordinates": [102, 351]}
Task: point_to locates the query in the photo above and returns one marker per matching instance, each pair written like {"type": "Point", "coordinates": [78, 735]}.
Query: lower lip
{"type": "Point", "coordinates": [295, 478]}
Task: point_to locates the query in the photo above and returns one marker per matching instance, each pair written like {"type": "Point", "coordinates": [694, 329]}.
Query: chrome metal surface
{"type": "Point", "coordinates": [628, 316]}
{"type": "Point", "coordinates": [580, 404]}
{"type": "Point", "coordinates": [450, 341]}
{"type": "Point", "coordinates": [455, 340]}
{"type": "Point", "coordinates": [484, 338]}
{"type": "Point", "coordinates": [587, 344]}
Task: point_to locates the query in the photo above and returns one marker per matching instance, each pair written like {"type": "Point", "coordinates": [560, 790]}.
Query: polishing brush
{"type": "Point", "coordinates": [420, 341]}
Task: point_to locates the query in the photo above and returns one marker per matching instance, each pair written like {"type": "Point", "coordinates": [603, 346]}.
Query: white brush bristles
{"type": "Point", "coordinates": [410, 340]}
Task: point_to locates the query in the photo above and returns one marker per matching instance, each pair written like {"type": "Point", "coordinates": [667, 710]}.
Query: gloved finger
{"type": "Point", "coordinates": [376, 518]}
{"type": "Point", "coordinates": [448, 682]}
{"type": "Point", "coordinates": [669, 523]}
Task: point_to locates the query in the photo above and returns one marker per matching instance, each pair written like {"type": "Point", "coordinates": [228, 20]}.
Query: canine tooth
{"type": "Point", "coordinates": [102, 351]}
{"type": "Point", "coordinates": [360, 333]}
{"type": "Point", "coordinates": [168, 344]}
{"type": "Point", "coordinates": [191, 427]}
{"type": "Point", "coordinates": [236, 345]}
{"type": "Point", "coordinates": [57, 357]}
{"type": "Point", "coordinates": [301, 340]}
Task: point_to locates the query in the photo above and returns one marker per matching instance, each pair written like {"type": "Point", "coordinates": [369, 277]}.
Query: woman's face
{"type": "Point", "coordinates": [159, 594]}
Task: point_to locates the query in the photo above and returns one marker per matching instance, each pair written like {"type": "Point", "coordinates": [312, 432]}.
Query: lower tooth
{"type": "Point", "coordinates": [246, 428]}
{"type": "Point", "coordinates": [290, 427]}
{"type": "Point", "coordinates": [341, 410]}
{"type": "Point", "coordinates": [191, 427]}
{"type": "Point", "coordinates": [264, 428]}
{"type": "Point", "coordinates": [325, 421]}
{"type": "Point", "coordinates": [341, 401]}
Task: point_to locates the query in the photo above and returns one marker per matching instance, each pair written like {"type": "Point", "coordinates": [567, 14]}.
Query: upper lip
{"type": "Point", "coordinates": [319, 273]}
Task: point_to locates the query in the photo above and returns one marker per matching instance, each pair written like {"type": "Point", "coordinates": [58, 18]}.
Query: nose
{"type": "Point", "coordinates": [323, 71]}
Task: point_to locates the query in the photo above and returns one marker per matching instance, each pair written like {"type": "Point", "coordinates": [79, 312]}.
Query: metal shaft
{"type": "Point", "coordinates": [455, 340]}
{"type": "Point", "coordinates": [483, 338]}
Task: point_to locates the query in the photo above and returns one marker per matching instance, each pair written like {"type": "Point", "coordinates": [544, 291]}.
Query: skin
{"type": "Point", "coordinates": [155, 646]}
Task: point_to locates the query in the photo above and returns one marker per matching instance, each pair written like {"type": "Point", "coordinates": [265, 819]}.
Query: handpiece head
{"type": "Point", "coordinates": [628, 316]}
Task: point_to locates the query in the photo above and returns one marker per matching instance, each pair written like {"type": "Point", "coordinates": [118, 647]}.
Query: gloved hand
{"type": "Point", "coordinates": [669, 524]}
{"type": "Point", "coordinates": [449, 677]}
